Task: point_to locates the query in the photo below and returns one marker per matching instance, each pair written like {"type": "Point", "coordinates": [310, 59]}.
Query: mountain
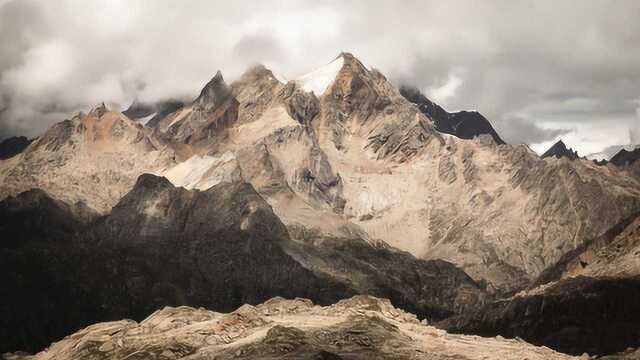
{"type": "Point", "coordinates": [575, 316]}
{"type": "Point", "coordinates": [162, 245]}
{"type": "Point", "coordinates": [613, 254]}
{"type": "Point", "coordinates": [361, 327]}
{"type": "Point", "coordinates": [94, 158]}
{"type": "Point", "coordinates": [589, 301]}
{"type": "Point", "coordinates": [624, 157]}
{"type": "Point", "coordinates": [559, 150]}
{"type": "Point", "coordinates": [462, 124]}
{"type": "Point", "coordinates": [13, 146]}
{"type": "Point", "coordinates": [341, 153]}
{"type": "Point", "coordinates": [332, 184]}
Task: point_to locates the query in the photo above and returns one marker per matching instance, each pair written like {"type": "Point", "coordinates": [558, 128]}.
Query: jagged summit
{"type": "Point", "coordinates": [259, 72]}
{"type": "Point", "coordinates": [560, 150]}
{"type": "Point", "coordinates": [353, 156]}
{"type": "Point", "coordinates": [318, 81]}
{"type": "Point", "coordinates": [463, 124]}
{"type": "Point", "coordinates": [214, 93]}
{"type": "Point", "coordinates": [624, 157]}
{"type": "Point", "coordinates": [99, 110]}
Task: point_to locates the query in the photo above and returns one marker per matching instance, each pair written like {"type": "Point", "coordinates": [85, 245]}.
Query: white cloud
{"type": "Point", "coordinates": [576, 63]}
{"type": "Point", "coordinates": [442, 93]}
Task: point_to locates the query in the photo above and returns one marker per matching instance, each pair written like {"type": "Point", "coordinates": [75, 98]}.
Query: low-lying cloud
{"type": "Point", "coordinates": [539, 70]}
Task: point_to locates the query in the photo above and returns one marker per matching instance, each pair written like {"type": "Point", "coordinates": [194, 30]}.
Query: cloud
{"type": "Point", "coordinates": [520, 130]}
{"type": "Point", "coordinates": [536, 69]}
{"type": "Point", "coordinates": [445, 91]}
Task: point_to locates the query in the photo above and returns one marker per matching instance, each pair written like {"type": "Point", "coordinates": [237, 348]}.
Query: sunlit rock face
{"type": "Point", "coordinates": [360, 327]}
{"type": "Point", "coordinates": [342, 153]}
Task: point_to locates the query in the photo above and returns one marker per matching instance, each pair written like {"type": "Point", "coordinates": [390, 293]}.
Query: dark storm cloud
{"type": "Point", "coordinates": [537, 69]}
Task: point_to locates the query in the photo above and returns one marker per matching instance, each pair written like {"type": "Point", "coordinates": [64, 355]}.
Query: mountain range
{"type": "Point", "coordinates": [330, 185]}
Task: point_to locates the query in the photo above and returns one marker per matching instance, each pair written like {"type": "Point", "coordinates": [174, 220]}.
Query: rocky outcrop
{"type": "Point", "coordinates": [559, 150]}
{"type": "Point", "coordinates": [462, 124]}
{"type": "Point", "coordinates": [13, 146]}
{"type": "Point", "coordinates": [205, 123]}
{"type": "Point", "coordinates": [361, 327]}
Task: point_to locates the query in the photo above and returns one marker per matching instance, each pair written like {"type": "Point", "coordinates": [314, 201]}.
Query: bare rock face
{"type": "Point", "coordinates": [94, 158]}
{"type": "Point", "coordinates": [616, 253]}
{"type": "Point", "coordinates": [204, 123]}
{"type": "Point", "coordinates": [589, 301]}
{"type": "Point", "coordinates": [219, 248]}
{"type": "Point", "coordinates": [362, 327]}
{"type": "Point", "coordinates": [560, 150]}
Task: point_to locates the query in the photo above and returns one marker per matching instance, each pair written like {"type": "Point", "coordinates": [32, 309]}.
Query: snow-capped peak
{"type": "Point", "coordinates": [319, 80]}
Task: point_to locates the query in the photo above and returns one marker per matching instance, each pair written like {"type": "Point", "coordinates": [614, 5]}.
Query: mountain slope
{"type": "Point", "coordinates": [353, 158]}
{"type": "Point", "coordinates": [577, 315]}
{"type": "Point", "coordinates": [589, 301]}
{"type": "Point", "coordinates": [220, 248]}
{"type": "Point", "coordinates": [94, 158]}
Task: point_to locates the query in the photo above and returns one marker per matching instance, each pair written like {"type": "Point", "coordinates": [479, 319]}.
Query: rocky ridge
{"type": "Point", "coordinates": [462, 124]}
{"type": "Point", "coordinates": [361, 327]}
{"type": "Point", "coordinates": [162, 245]}
{"type": "Point", "coordinates": [350, 158]}
{"type": "Point", "coordinates": [625, 158]}
{"type": "Point", "coordinates": [559, 150]}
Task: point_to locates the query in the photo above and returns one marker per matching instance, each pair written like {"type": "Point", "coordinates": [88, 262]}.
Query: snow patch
{"type": "Point", "coordinates": [279, 77]}
{"type": "Point", "coordinates": [145, 120]}
{"type": "Point", "coordinates": [199, 172]}
{"type": "Point", "coordinates": [318, 80]}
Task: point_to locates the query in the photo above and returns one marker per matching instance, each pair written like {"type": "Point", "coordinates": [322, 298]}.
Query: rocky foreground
{"type": "Point", "coordinates": [362, 327]}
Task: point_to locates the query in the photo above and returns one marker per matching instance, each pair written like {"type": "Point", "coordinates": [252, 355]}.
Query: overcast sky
{"type": "Point", "coordinates": [539, 70]}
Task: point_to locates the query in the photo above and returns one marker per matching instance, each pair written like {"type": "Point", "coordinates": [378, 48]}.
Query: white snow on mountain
{"type": "Point", "coordinates": [319, 79]}
{"type": "Point", "coordinates": [279, 77]}
{"type": "Point", "coordinates": [145, 120]}
{"type": "Point", "coordinates": [200, 172]}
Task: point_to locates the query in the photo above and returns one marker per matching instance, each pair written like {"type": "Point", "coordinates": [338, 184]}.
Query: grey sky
{"type": "Point", "coordinates": [537, 69]}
